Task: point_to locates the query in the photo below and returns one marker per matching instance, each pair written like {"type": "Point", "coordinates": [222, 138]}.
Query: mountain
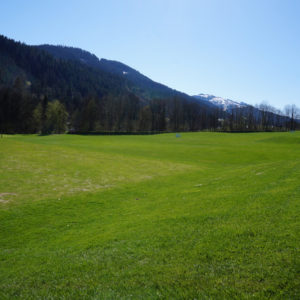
{"type": "Point", "coordinates": [55, 78]}
{"type": "Point", "coordinates": [136, 82]}
{"type": "Point", "coordinates": [224, 104]}
{"type": "Point", "coordinates": [50, 89]}
{"type": "Point", "coordinates": [67, 71]}
{"type": "Point", "coordinates": [55, 88]}
{"type": "Point", "coordinates": [71, 53]}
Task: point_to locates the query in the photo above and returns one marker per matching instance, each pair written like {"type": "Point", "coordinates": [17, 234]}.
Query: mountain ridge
{"type": "Point", "coordinates": [137, 82]}
{"type": "Point", "coordinates": [40, 85]}
{"type": "Point", "coordinates": [67, 88]}
{"type": "Point", "coordinates": [223, 103]}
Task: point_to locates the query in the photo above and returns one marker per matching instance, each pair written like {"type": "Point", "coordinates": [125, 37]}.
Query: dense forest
{"type": "Point", "coordinates": [54, 89]}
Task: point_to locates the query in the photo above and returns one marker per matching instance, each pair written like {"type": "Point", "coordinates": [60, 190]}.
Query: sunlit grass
{"type": "Point", "coordinates": [206, 215]}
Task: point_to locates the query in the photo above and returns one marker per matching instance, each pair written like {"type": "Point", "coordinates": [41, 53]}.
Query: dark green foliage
{"type": "Point", "coordinates": [96, 93]}
{"type": "Point", "coordinates": [55, 77]}
{"type": "Point", "coordinates": [71, 53]}
{"type": "Point", "coordinates": [56, 117]}
{"type": "Point", "coordinates": [103, 95]}
{"type": "Point", "coordinates": [89, 115]}
{"type": "Point", "coordinates": [16, 106]}
{"type": "Point", "coordinates": [136, 82]}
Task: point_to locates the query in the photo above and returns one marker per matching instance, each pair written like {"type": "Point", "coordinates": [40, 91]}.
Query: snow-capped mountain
{"type": "Point", "coordinates": [225, 104]}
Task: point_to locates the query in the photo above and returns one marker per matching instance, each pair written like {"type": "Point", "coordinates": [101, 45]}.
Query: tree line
{"type": "Point", "coordinates": [42, 93]}
{"type": "Point", "coordinates": [22, 111]}
{"type": "Point", "coordinates": [262, 117]}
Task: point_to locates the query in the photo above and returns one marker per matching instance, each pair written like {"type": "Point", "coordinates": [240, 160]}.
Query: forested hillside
{"type": "Point", "coordinates": [53, 89]}
{"type": "Point", "coordinates": [136, 82]}
{"type": "Point", "coordinates": [43, 92]}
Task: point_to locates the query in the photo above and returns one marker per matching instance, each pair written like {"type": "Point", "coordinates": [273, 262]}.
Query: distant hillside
{"type": "Point", "coordinates": [53, 88]}
{"type": "Point", "coordinates": [50, 89]}
{"type": "Point", "coordinates": [136, 82]}
{"type": "Point", "coordinates": [56, 78]}
{"type": "Point", "coordinates": [71, 53]}
{"type": "Point", "coordinates": [140, 84]}
{"type": "Point", "coordinates": [66, 72]}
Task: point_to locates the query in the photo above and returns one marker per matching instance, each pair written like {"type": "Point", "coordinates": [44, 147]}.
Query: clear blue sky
{"type": "Point", "coordinates": [246, 50]}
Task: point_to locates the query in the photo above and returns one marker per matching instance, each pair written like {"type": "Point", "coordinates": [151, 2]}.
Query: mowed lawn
{"type": "Point", "coordinates": [202, 216]}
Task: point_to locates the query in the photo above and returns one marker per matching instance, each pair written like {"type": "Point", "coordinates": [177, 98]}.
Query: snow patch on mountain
{"type": "Point", "coordinates": [225, 104]}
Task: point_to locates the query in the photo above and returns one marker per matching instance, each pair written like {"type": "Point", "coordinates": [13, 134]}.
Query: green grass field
{"type": "Point", "coordinates": [203, 216]}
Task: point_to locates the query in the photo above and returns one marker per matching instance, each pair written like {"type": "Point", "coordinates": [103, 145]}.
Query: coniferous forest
{"type": "Point", "coordinates": [55, 89]}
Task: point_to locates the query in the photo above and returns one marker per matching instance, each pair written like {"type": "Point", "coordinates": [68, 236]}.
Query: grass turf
{"type": "Point", "coordinates": [203, 216]}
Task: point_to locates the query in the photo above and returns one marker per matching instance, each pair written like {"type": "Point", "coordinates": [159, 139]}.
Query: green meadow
{"type": "Point", "coordinates": [202, 216]}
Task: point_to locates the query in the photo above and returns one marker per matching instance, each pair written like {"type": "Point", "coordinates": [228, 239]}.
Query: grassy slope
{"type": "Point", "coordinates": [206, 215]}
